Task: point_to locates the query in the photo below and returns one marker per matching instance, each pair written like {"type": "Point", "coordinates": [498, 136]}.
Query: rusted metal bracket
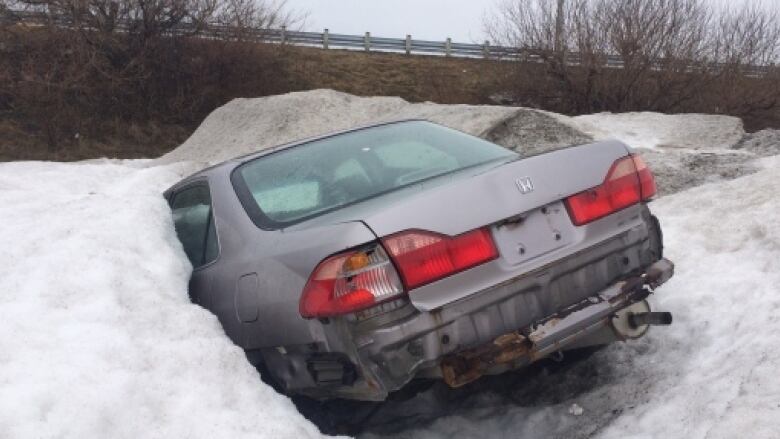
{"type": "Point", "coordinates": [466, 366]}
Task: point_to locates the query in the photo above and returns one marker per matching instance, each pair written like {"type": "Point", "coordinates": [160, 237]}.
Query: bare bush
{"type": "Point", "coordinates": [664, 55]}
{"type": "Point", "coordinates": [89, 66]}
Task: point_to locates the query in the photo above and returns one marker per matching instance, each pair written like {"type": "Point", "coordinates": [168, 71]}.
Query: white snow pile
{"type": "Point", "coordinates": [684, 150]}
{"type": "Point", "coordinates": [243, 126]}
{"type": "Point", "coordinates": [711, 375]}
{"type": "Point", "coordinates": [655, 130]}
{"type": "Point", "coordinates": [98, 338]}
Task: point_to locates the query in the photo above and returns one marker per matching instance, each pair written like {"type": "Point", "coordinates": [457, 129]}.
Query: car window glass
{"type": "Point", "coordinates": [414, 155]}
{"type": "Point", "coordinates": [304, 181]}
{"type": "Point", "coordinates": [350, 169]}
{"type": "Point", "coordinates": [289, 198]}
{"type": "Point", "coordinates": [194, 226]}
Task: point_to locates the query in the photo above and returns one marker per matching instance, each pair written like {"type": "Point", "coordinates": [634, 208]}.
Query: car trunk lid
{"type": "Point", "coordinates": [498, 194]}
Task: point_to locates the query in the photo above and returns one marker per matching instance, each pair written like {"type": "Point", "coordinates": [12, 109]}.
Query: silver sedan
{"type": "Point", "coordinates": [350, 264]}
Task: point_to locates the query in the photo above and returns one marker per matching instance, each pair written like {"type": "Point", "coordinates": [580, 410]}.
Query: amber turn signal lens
{"type": "Point", "coordinates": [356, 262]}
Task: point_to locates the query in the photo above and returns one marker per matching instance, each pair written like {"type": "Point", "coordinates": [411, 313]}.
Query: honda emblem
{"type": "Point", "coordinates": [524, 185]}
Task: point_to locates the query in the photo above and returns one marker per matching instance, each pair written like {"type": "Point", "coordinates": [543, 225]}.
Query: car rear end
{"type": "Point", "coordinates": [566, 273]}
{"type": "Point", "coordinates": [483, 274]}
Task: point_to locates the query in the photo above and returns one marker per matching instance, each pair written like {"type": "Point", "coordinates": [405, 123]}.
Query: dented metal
{"type": "Point", "coordinates": [613, 307]}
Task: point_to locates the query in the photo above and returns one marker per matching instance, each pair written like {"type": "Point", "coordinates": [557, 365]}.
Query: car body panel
{"type": "Point", "coordinates": [561, 265]}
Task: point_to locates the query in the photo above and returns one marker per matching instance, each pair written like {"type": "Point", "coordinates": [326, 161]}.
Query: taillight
{"type": "Point", "coordinates": [423, 257]}
{"type": "Point", "coordinates": [628, 182]}
{"type": "Point", "coordinates": [349, 282]}
{"type": "Point", "coordinates": [646, 179]}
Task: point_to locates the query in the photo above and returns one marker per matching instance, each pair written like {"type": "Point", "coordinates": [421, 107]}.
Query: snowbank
{"type": "Point", "coordinates": [98, 338]}
{"type": "Point", "coordinates": [655, 130]}
{"type": "Point", "coordinates": [712, 374]}
{"type": "Point", "coordinates": [247, 125]}
{"type": "Point", "coordinates": [684, 150]}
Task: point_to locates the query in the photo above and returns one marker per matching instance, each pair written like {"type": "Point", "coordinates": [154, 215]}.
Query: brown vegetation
{"type": "Point", "coordinates": [93, 89]}
{"type": "Point", "coordinates": [677, 55]}
{"type": "Point", "coordinates": [89, 88]}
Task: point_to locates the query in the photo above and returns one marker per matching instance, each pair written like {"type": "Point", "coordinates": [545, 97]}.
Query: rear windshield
{"type": "Point", "coordinates": [295, 184]}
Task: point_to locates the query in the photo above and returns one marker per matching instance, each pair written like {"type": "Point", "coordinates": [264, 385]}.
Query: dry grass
{"type": "Point", "coordinates": [121, 141]}
{"type": "Point", "coordinates": [414, 78]}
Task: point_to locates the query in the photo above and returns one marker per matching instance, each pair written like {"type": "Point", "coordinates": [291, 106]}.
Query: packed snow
{"type": "Point", "coordinates": [686, 150]}
{"type": "Point", "coordinates": [98, 337]}
{"type": "Point", "coordinates": [246, 125]}
{"type": "Point", "coordinates": [654, 130]}
{"type": "Point", "coordinates": [711, 374]}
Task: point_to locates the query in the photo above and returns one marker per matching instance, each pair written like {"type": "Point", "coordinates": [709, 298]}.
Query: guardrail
{"type": "Point", "coordinates": [366, 42]}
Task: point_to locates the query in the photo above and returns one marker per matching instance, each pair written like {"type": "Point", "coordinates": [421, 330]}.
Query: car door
{"type": "Point", "coordinates": [194, 222]}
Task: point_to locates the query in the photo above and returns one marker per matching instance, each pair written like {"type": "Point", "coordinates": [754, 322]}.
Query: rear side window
{"type": "Point", "coordinates": [194, 224]}
{"type": "Point", "coordinates": [295, 184]}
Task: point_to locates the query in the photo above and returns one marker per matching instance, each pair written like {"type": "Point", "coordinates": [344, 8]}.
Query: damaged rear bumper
{"type": "Point", "coordinates": [577, 301]}
{"type": "Point", "coordinates": [608, 309]}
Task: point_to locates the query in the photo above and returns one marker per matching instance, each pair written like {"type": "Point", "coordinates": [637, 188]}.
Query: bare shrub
{"type": "Point", "coordinates": [87, 67]}
{"type": "Point", "coordinates": [662, 55]}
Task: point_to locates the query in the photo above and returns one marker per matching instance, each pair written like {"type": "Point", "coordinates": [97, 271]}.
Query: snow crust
{"type": "Point", "coordinates": [711, 374]}
{"type": "Point", "coordinates": [98, 338]}
{"type": "Point", "coordinates": [243, 126]}
{"type": "Point", "coordinates": [655, 130]}
{"type": "Point", "coordinates": [685, 150]}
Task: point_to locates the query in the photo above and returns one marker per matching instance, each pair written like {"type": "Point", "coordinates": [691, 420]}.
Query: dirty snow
{"type": "Point", "coordinates": [98, 338]}
{"type": "Point", "coordinates": [684, 150]}
{"type": "Point", "coordinates": [247, 125]}
{"type": "Point", "coordinates": [712, 374]}
{"type": "Point", "coordinates": [655, 130]}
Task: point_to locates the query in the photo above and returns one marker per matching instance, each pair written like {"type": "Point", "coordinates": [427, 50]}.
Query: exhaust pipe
{"type": "Point", "coordinates": [649, 318]}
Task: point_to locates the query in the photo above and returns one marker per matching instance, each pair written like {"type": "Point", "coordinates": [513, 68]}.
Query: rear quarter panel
{"type": "Point", "coordinates": [281, 260]}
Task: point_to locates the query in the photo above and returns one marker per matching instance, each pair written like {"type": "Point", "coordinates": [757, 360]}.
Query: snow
{"type": "Point", "coordinates": [98, 337]}
{"type": "Point", "coordinates": [712, 374]}
{"type": "Point", "coordinates": [246, 125]}
{"type": "Point", "coordinates": [685, 150]}
{"type": "Point", "coordinates": [655, 130]}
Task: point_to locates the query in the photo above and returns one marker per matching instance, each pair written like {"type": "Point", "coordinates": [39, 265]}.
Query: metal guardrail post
{"type": "Point", "coordinates": [486, 49]}
{"type": "Point", "coordinates": [325, 38]}
{"type": "Point", "coordinates": [448, 47]}
{"type": "Point", "coordinates": [367, 41]}
{"type": "Point", "coordinates": [408, 45]}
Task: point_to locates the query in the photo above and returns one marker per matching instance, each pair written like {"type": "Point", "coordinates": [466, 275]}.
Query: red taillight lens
{"type": "Point", "coordinates": [628, 182]}
{"type": "Point", "coordinates": [423, 257]}
{"type": "Point", "coordinates": [646, 179]}
{"type": "Point", "coordinates": [349, 282]}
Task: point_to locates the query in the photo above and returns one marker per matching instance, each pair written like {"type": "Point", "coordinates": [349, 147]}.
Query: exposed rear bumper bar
{"type": "Point", "coordinates": [555, 332]}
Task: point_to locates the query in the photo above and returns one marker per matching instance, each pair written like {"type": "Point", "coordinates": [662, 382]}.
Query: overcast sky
{"type": "Point", "coordinates": [423, 19]}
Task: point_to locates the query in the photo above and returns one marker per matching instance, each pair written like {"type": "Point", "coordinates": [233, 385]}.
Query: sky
{"type": "Point", "coordinates": [422, 19]}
